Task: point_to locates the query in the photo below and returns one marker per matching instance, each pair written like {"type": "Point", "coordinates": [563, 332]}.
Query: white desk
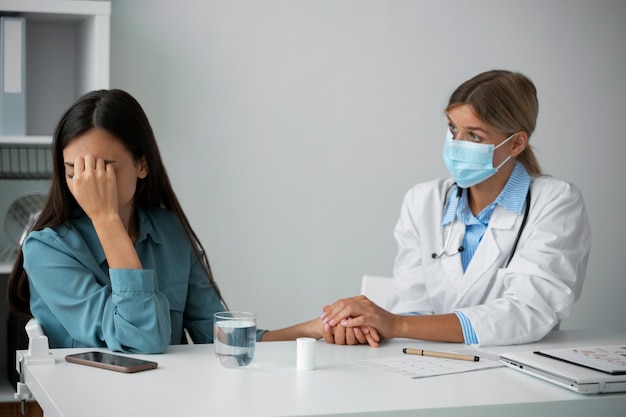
{"type": "Point", "coordinates": [189, 382]}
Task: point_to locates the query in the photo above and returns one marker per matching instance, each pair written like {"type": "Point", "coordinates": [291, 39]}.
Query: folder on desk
{"type": "Point", "coordinates": [609, 359]}
{"type": "Point", "coordinates": [12, 76]}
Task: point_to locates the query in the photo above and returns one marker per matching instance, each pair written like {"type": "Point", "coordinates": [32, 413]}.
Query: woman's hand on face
{"type": "Point", "coordinates": [360, 313]}
{"type": "Point", "coordinates": [94, 186]}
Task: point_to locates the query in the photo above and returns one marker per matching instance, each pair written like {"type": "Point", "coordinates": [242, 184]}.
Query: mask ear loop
{"type": "Point", "coordinates": [504, 141]}
{"type": "Point", "coordinates": [500, 144]}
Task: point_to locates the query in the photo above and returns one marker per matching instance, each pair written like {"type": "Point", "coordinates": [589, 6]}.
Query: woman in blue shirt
{"type": "Point", "coordinates": [112, 259]}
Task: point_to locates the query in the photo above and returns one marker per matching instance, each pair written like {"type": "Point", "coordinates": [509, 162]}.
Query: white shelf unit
{"type": "Point", "coordinates": [67, 55]}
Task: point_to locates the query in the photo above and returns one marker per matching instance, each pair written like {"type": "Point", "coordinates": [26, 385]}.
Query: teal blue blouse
{"type": "Point", "coordinates": [80, 302]}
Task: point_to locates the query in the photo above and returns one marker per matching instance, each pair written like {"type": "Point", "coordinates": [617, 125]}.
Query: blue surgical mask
{"type": "Point", "coordinates": [470, 163]}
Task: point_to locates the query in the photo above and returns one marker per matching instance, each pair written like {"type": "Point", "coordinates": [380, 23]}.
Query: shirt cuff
{"type": "Point", "coordinates": [468, 330]}
{"type": "Point", "coordinates": [132, 280]}
{"type": "Point", "coordinates": [259, 334]}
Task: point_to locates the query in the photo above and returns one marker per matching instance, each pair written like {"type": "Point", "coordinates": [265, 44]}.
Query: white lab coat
{"type": "Point", "coordinates": [517, 304]}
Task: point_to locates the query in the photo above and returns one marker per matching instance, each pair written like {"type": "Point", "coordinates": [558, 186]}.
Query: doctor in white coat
{"type": "Point", "coordinates": [494, 255]}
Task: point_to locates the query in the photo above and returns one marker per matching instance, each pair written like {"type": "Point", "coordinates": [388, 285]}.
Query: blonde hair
{"type": "Point", "coordinates": [506, 100]}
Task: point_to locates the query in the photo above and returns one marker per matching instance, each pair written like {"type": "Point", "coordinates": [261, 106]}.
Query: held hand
{"type": "Point", "coordinates": [94, 186]}
{"type": "Point", "coordinates": [360, 312]}
{"type": "Point", "coordinates": [341, 335]}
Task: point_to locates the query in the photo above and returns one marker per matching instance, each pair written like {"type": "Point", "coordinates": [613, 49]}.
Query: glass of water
{"type": "Point", "coordinates": [234, 338]}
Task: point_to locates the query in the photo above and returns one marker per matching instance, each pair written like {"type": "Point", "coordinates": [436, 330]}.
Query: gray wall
{"type": "Point", "coordinates": [292, 129]}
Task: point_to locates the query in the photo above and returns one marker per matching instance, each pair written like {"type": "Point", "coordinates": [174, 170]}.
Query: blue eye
{"type": "Point", "coordinates": [475, 137]}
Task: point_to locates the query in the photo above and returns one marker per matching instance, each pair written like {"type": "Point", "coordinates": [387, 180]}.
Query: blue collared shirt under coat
{"type": "Point", "coordinates": [81, 302]}
{"type": "Point", "coordinates": [512, 197]}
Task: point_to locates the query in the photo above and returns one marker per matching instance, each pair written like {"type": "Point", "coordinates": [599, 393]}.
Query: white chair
{"type": "Point", "coordinates": [376, 288]}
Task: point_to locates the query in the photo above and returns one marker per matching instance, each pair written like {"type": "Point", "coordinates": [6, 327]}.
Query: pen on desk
{"type": "Point", "coordinates": [444, 355]}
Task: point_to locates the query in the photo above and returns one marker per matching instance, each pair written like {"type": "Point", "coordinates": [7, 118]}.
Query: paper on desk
{"type": "Point", "coordinates": [414, 366]}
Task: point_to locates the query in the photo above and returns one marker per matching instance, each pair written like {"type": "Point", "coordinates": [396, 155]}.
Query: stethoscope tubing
{"type": "Point", "coordinates": [459, 194]}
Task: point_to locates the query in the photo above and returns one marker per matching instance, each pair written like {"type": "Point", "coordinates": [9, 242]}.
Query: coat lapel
{"type": "Point", "coordinates": [493, 248]}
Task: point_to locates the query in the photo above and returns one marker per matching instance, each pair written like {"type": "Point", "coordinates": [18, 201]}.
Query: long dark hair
{"type": "Point", "coordinates": [120, 114]}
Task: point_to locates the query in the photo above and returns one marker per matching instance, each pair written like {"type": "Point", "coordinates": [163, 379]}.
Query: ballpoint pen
{"type": "Point", "coordinates": [444, 355]}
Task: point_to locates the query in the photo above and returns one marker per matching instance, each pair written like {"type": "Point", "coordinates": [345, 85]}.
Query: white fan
{"type": "Point", "coordinates": [20, 217]}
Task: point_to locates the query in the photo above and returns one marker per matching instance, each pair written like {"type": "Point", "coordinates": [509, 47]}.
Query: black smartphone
{"type": "Point", "coordinates": [111, 361]}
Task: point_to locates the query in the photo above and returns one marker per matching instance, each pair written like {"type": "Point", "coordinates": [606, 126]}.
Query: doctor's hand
{"type": "Point", "coordinates": [341, 335]}
{"type": "Point", "coordinates": [358, 313]}
{"type": "Point", "coordinates": [93, 184]}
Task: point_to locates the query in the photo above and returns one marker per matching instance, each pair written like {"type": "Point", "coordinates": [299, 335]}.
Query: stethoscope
{"type": "Point", "coordinates": [459, 193]}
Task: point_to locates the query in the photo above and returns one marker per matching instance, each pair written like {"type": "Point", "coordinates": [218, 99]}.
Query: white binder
{"type": "Point", "coordinates": [12, 76]}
